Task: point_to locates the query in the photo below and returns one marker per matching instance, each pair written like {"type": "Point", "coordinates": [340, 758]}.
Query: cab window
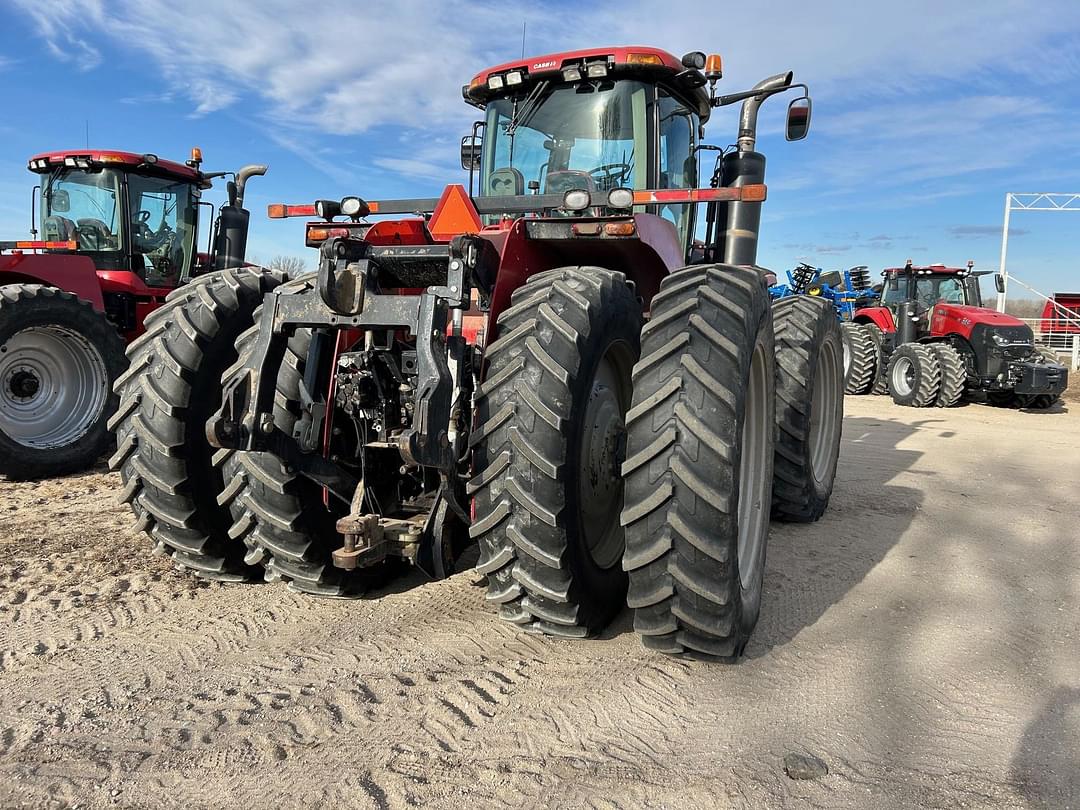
{"type": "Point", "coordinates": [678, 163]}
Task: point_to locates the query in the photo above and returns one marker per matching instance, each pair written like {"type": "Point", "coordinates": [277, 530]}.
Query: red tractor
{"type": "Point", "coordinates": [552, 368]}
{"type": "Point", "coordinates": [931, 339]}
{"type": "Point", "coordinates": [119, 233]}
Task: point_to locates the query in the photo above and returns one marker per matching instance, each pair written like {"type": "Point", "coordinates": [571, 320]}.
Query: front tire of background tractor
{"type": "Point", "coordinates": [860, 357]}
{"type": "Point", "coordinates": [548, 443]}
{"type": "Point", "coordinates": [880, 386]}
{"type": "Point", "coordinates": [914, 375]}
{"type": "Point", "coordinates": [58, 361]}
{"type": "Point", "coordinates": [953, 375]}
{"type": "Point", "coordinates": [277, 514]}
{"type": "Point", "coordinates": [171, 388]}
{"type": "Point", "coordinates": [699, 462]}
{"type": "Point", "coordinates": [809, 407]}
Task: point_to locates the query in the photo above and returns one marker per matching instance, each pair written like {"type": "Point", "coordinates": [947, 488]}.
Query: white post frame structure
{"type": "Point", "coordinates": [1029, 201]}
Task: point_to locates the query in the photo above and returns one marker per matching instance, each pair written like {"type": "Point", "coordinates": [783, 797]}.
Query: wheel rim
{"type": "Point", "coordinates": [754, 471]}
{"type": "Point", "coordinates": [603, 442]}
{"type": "Point", "coordinates": [53, 387]}
{"type": "Point", "coordinates": [902, 378]}
{"type": "Point", "coordinates": [823, 402]}
{"type": "Point", "coordinates": [847, 354]}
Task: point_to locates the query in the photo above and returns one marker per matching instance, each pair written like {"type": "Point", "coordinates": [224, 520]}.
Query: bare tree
{"type": "Point", "coordinates": [292, 265]}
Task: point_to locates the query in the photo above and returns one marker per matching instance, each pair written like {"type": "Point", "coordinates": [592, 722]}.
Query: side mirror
{"type": "Point", "coordinates": [999, 283]}
{"type": "Point", "coordinates": [470, 153]}
{"type": "Point", "coordinates": [894, 282]}
{"type": "Point", "coordinates": [59, 201]}
{"type": "Point", "coordinates": [798, 119]}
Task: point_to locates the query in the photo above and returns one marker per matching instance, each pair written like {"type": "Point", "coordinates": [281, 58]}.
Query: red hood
{"type": "Point", "coordinates": [977, 315]}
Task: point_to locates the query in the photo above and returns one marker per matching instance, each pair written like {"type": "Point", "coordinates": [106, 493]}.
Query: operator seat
{"type": "Point", "coordinates": [94, 234]}
{"type": "Point", "coordinates": [506, 182]}
{"type": "Point", "coordinates": [58, 229]}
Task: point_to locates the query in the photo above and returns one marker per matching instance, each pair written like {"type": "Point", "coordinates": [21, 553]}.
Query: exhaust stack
{"type": "Point", "coordinates": [230, 239]}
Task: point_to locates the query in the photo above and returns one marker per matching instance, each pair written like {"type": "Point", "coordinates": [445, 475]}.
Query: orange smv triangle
{"type": "Point", "coordinates": [455, 214]}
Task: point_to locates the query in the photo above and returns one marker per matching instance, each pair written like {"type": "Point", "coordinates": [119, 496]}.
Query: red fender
{"type": "Point", "coordinates": [879, 316]}
{"type": "Point", "coordinates": [73, 273]}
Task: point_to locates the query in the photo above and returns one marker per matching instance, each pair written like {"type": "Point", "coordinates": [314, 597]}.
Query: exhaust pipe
{"type": "Point", "coordinates": [740, 222]}
{"type": "Point", "coordinates": [242, 176]}
{"type": "Point", "coordinates": [230, 239]}
{"type": "Point", "coordinates": [748, 115]}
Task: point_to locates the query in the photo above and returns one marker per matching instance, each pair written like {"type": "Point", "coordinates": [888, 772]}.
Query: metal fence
{"type": "Point", "coordinates": [1061, 336]}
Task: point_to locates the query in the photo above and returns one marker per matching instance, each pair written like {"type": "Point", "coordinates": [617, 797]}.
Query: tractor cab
{"type": "Point", "coordinates": [593, 122]}
{"type": "Point", "coordinates": [927, 286]}
{"type": "Point", "coordinates": [616, 131]}
{"type": "Point", "coordinates": [127, 212]}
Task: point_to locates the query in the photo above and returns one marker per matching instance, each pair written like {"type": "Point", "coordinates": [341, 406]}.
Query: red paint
{"type": "Point", "coordinates": [956, 319]}
{"type": "Point", "coordinates": [879, 316]}
{"type": "Point", "coordinates": [73, 273]}
{"type": "Point", "coordinates": [129, 160]}
{"type": "Point", "coordinates": [646, 258]}
{"type": "Point", "coordinates": [553, 63]}
{"type": "Point", "coordinates": [1054, 320]}
{"type": "Point", "coordinates": [398, 232]}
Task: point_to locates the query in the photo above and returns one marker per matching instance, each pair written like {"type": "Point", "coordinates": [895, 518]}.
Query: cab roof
{"type": "Point", "coordinates": [931, 268]}
{"type": "Point", "coordinates": [129, 161]}
{"type": "Point", "coordinates": [623, 61]}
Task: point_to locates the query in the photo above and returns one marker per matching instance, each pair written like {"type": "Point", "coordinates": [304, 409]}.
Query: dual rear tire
{"type": "Point", "coordinates": [709, 393]}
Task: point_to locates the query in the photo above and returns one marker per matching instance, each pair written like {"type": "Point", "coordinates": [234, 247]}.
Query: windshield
{"type": "Point", "coordinates": [948, 289]}
{"type": "Point", "coordinates": [591, 136]}
{"type": "Point", "coordinates": [83, 206]}
{"type": "Point", "coordinates": [163, 218]}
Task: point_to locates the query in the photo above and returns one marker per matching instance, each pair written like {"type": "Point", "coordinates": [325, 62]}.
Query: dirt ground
{"type": "Point", "coordinates": [923, 639]}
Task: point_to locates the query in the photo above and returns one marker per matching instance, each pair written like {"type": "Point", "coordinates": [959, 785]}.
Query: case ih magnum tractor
{"type": "Point", "coordinates": [551, 368]}
{"type": "Point", "coordinates": [119, 234]}
{"type": "Point", "coordinates": [939, 341]}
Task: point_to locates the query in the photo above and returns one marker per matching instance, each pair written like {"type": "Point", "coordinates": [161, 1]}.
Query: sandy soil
{"type": "Point", "coordinates": [923, 639]}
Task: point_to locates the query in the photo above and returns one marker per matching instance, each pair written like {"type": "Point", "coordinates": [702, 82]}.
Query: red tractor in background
{"type": "Point", "coordinates": [552, 368]}
{"type": "Point", "coordinates": [930, 340]}
{"type": "Point", "coordinates": [119, 232]}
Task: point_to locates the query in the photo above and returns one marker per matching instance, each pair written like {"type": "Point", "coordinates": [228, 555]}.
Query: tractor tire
{"type": "Point", "coordinates": [171, 388]}
{"type": "Point", "coordinates": [880, 386]}
{"type": "Point", "coordinates": [699, 466]}
{"type": "Point", "coordinates": [1036, 402]}
{"type": "Point", "coordinates": [59, 359]}
{"type": "Point", "coordinates": [809, 407]}
{"type": "Point", "coordinates": [914, 375]}
{"type": "Point", "coordinates": [859, 358]}
{"type": "Point", "coordinates": [953, 375]}
{"type": "Point", "coordinates": [548, 492]}
{"type": "Point", "coordinates": [1003, 399]}
{"type": "Point", "coordinates": [278, 514]}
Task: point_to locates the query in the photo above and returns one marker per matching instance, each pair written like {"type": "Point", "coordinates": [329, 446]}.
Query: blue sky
{"type": "Point", "coordinates": [925, 113]}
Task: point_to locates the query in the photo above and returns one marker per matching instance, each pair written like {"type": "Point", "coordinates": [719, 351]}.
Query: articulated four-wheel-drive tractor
{"type": "Point", "coordinates": [552, 368]}
{"type": "Point", "coordinates": [931, 340]}
{"type": "Point", "coordinates": [119, 235]}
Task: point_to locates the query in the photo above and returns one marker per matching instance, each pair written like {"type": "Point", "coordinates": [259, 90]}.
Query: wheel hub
{"type": "Point", "coordinates": [903, 376]}
{"type": "Point", "coordinates": [603, 447]}
{"type": "Point", "coordinates": [24, 383]}
{"type": "Point", "coordinates": [53, 386]}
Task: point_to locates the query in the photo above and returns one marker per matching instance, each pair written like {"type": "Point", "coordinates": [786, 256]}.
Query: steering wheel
{"type": "Point", "coordinates": [609, 175]}
{"type": "Point", "coordinates": [145, 238]}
